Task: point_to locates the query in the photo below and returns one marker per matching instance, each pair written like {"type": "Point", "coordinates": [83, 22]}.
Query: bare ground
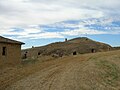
{"type": "Point", "coordinates": [100, 71]}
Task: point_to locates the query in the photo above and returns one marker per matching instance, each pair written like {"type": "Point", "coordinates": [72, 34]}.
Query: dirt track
{"type": "Point", "coordinates": [86, 72]}
{"type": "Point", "coordinates": [59, 76]}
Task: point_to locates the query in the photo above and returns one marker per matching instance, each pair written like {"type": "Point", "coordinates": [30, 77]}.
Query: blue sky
{"type": "Point", "coordinates": [40, 22]}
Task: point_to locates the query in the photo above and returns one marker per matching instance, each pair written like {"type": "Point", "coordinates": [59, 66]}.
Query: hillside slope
{"type": "Point", "coordinates": [97, 71]}
{"type": "Point", "coordinates": [78, 45]}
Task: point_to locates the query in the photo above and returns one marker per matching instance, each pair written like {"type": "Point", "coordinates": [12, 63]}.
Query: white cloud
{"type": "Point", "coordinates": [28, 14]}
{"type": "Point", "coordinates": [82, 31]}
{"type": "Point", "coordinates": [44, 35]}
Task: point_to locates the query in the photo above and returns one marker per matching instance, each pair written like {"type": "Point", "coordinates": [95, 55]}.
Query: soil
{"type": "Point", "coordinates": [79, 72]}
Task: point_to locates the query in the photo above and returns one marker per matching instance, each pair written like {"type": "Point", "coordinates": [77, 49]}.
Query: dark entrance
{"type": "Point", "coordinates": [25, 55]}
{"type": "Point", "coordinates": [39, 53]}
{"type": "Point", "coordinates": [93, 50]}
{"type": "Point", "coordinates": [74, 53]}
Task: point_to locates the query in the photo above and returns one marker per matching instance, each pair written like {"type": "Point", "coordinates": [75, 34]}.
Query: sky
{"type": "Point", "coordinates": [40, 22]}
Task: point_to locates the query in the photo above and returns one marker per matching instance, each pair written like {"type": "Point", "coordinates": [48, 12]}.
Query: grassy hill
{"type": "Point", "coordinates": [79, 45]}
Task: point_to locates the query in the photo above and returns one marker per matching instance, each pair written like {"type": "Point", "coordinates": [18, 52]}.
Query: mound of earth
{"type": "Point", "coordinates": [74, 46]}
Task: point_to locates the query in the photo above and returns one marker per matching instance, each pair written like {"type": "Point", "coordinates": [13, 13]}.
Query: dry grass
{"type": "Point", "coordinates": [9, 74]}
{"type": "Point", "coordinates": [80, 45]}
{"type": "Point", "coordinates": [98, 71]}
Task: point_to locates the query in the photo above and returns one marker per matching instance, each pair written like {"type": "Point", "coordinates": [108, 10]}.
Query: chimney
{"type": "Point", "coordinates": [65, 39]}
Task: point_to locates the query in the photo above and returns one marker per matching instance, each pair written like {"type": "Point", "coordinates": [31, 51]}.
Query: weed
{"type": "Point", "coordinates": [110, 72]}
{"type": "Point", "coordinates": [29, 61]}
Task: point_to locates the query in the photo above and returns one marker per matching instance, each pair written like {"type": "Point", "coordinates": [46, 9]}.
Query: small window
{"type": "Point", "coordinates": [4, 51]}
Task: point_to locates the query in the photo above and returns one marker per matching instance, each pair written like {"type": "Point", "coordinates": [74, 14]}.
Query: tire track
{"type": "Point", "coordinates": [50, 78]}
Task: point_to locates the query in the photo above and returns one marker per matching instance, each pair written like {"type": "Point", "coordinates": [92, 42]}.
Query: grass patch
{"type": "Point", "coordinates": [110, 72]}
{"type": "Point", "coordinates": [29, 61]}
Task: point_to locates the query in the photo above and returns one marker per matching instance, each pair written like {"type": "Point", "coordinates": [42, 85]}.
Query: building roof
{"type": "Point", "coordinates": [7, 40]}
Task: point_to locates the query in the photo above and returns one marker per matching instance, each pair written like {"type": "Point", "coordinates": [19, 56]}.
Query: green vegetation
{"type": "Point", "coordinates": [29, 61]}
{"type": "Point", "coordinates": [110, 72]}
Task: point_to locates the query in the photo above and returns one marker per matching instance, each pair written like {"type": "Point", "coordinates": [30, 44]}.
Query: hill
{"type": "Point", "coordinates": [96, 71]}
{"type": "Point", "coordinates": [79, 45]}
{"type": "Point", "coordinates": [116, 48]}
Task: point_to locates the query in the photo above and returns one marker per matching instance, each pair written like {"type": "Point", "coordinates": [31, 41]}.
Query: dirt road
{"type": "Point", "coordinates": [73, 73]}
{"type": "Point", "coordinates": [60, 76]}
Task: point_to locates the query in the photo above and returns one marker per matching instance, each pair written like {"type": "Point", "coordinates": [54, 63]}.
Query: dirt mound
{"type": "Point", "coordinates": [77, 45]}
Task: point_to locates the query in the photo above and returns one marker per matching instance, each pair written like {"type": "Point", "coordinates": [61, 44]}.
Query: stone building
{"type": "Point", "coordinates": [10, 51]}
